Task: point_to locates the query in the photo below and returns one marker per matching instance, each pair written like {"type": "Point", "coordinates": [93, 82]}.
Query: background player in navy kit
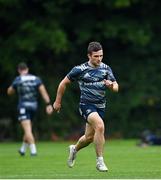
{"type": "Point", "coordinates": [94, 77]}
{"type": "Point", "coordinates": [27, 87]}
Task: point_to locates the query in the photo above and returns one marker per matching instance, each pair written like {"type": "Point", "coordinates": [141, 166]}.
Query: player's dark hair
{"type": "Point", "coordinates": [22, 66]}
{"type": "Point", "coordinates": [93, 47]}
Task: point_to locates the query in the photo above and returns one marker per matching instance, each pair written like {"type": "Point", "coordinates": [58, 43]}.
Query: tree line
{"type": "Point", "coordinates": [52, 37]}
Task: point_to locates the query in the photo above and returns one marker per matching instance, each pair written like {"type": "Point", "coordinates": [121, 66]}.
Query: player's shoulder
{"type": "Point", "coordinates": [17, 79]}
{"type": "Point", "coordinates": [32, 76]}
{"type": "Point", "coordinates": [35, 77]}
{"type": "Point", "coordinates": [103, 65]}
{"type": "Point", "coordinates": [82, 66]}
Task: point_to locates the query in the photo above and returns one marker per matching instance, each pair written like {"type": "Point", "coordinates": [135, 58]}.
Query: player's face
{"type": "Point", "coordinates": [24, 71]}
{"type": "Point", "coordinates": [96, 58]}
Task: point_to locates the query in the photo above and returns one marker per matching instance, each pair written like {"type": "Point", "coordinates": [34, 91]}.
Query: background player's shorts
{"type": "Point", "coordinates": [25, 113]}
{"type": "Point", "coordinates": [86, 109]}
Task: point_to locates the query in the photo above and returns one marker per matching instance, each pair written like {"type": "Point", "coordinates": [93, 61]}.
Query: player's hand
{"type": "Point", "coordinates": [49, 109]}
{"type": "Point", "coordinates": [108, 83]}
{"type": "Point", "coordinates": [57, 106]}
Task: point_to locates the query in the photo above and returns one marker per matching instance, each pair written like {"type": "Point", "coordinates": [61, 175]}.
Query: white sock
{"type": "Point", "coordinates": [33, 148]}
{"type": "Point", "coordinates": [100, 158]}
{"type": "Point", "coordinates": [24, 147]}
{"type": "Point", "coordinates": [75, 149]}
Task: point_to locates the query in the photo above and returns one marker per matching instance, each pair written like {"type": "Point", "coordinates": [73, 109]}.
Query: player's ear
{"type": "Point", "coordinates": [89, 55]}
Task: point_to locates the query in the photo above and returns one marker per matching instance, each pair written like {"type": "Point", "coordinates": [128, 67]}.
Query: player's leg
{"type": "Point", "coordinates": [23, 147]}
{"type": "Point", "coordinates": [98, 125]}
{"type": "Point", "coordinates": [28, 136]}
{"type": "Point", "coordinates": [27, 128]}
{"type": "Point", "coordinates": [86, 139]}
{"type": "Point", "coordinates": [83, 141]}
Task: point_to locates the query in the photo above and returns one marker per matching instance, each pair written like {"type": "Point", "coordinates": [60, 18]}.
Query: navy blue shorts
{"type": "Point", "coordinates": [25, 113]}
{"type": "Point", "coordinates": [86, 109]}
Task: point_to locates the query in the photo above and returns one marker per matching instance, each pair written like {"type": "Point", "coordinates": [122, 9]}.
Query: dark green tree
{"type": "Point", "coordinates": [52, 37]}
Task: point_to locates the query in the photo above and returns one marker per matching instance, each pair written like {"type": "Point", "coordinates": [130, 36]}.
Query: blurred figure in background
{"type": "Point", "coordinates": [149, 138]}
{"type": "Point", "coordinates": [27, 87]}
{"type": "Point", "coordinates": [94, 77]}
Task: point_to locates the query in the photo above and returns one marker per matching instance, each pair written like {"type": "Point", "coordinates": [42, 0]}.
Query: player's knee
{"type": "Point", "coordinates": [29, 136]}
{"type": "Point", "coordinates": [100, 128]}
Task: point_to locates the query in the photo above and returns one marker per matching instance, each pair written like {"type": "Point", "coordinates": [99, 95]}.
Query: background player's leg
{"type": "Point", "coordinates": [28, 136]}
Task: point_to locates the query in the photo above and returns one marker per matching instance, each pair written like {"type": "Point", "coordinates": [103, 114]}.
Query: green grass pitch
{"type": "Point", "coordinates": [124, 159]}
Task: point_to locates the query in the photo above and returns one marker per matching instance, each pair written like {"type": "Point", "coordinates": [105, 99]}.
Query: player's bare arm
{"type": "Point", "coordinates": [45, 96]}
{"type": "Point", "coordinates": [10, 90]}
{"type": "Point", "coordinates": [60, 93]}
{"type": "Point", "coordinates": [112, 85]}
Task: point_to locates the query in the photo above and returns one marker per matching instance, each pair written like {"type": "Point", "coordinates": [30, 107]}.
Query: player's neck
{"type": "Point", "coordinates": [92, 65]}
